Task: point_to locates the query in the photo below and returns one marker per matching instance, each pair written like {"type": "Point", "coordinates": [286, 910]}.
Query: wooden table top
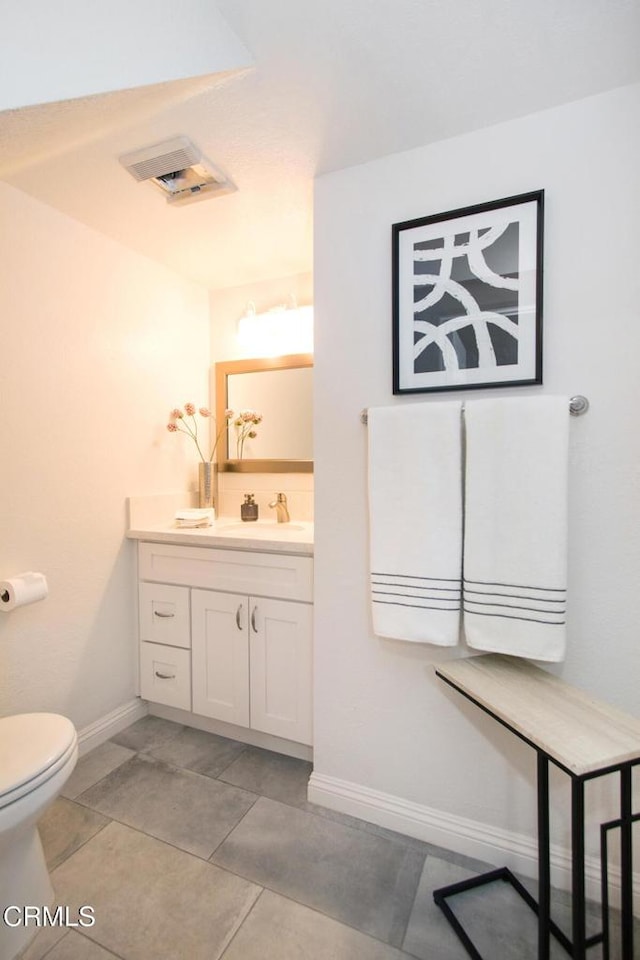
{"type": "Point", "coordinates": [582, 734]}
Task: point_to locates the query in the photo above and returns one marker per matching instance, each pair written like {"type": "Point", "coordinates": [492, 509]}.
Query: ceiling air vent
{"type": "Point", "coordinates": [179, 170]}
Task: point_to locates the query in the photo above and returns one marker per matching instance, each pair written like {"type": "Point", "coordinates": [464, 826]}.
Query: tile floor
{"type": "Point", "coordinates": [190, 846]}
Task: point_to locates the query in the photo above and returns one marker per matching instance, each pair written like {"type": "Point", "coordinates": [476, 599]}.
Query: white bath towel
{"type": "Point", "coordinates": [415, 521]}
{"type": "Point", "coordinates": [515, 542]}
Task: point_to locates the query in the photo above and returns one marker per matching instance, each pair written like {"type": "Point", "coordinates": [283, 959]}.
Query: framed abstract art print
{"type": "Point", "coordinates": [467, 297]}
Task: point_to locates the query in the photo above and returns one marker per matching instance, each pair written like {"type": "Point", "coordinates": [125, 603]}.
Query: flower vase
{"type": "Point", "coordinates": [206, 472]}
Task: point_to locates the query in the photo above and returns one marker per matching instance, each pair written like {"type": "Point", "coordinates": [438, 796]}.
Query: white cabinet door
{"type": "Point", "coordinates": [281, 668]}
{"type": "Point", "coordinates": [220, 656]}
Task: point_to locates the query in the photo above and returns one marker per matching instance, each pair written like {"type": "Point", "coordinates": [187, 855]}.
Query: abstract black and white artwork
{"type": "Point", "coordinates": [467, 297]}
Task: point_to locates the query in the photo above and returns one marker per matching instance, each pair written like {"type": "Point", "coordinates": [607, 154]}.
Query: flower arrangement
{"type": "Point", "coordinates": [185, 422]}
{"type": "Point", "coordinates": [244, 425]}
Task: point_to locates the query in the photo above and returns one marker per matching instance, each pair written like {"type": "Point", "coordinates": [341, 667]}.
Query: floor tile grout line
{"type": "Point", "coordinates": [100, 779]}
{"type": "Point", "coordinates": [218, 775]}
{"type": "Point", "coordinates": [117, 956]}
{"type": "Point", "coordinates": [80, 933]}
{"type": "Point", "coordinates": [343, 923]}
{"type": "Point", "coordinates": [84, 842]}
{"type": "Point", "coordinates": [234, 827]}
{"type": "Point", "coordinates": [313, 909]}
{"type": "Point", "coordinates": [52, 947]}
{"type": "Point", "coordinates": [241, 924]}
{"type": "Point", "coordinates": [86, 790]}
{"type": "Point", "coordinates": [171, 766]}
{"type": "Point", "coordinates": [307, 906]}
{"type": "Point", "coordinates": [169, 843]}
{"type": "Point", "coordinates": [87, 806]}
{"type": "Point", "coordinates": [413, 903]}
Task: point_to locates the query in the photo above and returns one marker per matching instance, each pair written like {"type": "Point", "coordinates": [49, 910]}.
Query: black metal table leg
{"type": "Point", "coordinates": [544, 869]}
{"type": "Point", "coordinates": [604, 889]}
{"type": "Point", "coordinates": [626, 862]}
{"type": "Point", "coordinates": [577, 869]}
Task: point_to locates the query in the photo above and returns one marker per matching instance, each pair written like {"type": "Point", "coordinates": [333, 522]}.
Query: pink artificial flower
{"type": "Point", "coordinates": [228, 414]}
{"type": "Point", "coordinates": [190, 408]}
{"type": "Point", "coordinates": [176, 414]}
{"type": "Point", "coordinates": [171, 427]}
{"type": "Point", "coordinates": [204, 412]}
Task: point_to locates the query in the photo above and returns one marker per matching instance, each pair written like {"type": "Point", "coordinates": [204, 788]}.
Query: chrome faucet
{"type": "Point", "coordinates": [280, 503]}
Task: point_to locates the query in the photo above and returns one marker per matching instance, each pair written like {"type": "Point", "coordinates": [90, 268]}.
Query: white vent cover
{"type": "Point", "coordinates": [178, 168]}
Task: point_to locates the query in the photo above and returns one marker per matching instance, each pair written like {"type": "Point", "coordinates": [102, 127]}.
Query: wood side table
{"type": "Point", "coordinates": [585, 738]}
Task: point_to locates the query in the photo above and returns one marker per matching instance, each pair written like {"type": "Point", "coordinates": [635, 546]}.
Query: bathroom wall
{"type": "Point", "coordinates": [95, 49]}
{"type": "Point", "coordinates": [98, 345]}
{"type": "Point", "coordinates": [391, 743]}
{"type": "Point", "coordinates": [227, 305]}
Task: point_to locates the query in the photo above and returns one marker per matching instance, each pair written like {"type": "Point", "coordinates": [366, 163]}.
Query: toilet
{"type": "Point", "coordinates": [38, 752]}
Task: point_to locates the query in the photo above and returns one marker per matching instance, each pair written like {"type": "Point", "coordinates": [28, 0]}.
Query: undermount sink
{"type": "Point", "coordinates": [253, 526]}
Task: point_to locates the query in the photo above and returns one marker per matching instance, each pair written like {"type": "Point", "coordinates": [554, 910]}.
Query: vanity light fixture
{"type": "Point", "coordinates": [286, 328]}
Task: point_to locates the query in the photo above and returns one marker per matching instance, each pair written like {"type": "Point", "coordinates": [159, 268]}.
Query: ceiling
{"type": "Point", "coordinates": [335, 83]}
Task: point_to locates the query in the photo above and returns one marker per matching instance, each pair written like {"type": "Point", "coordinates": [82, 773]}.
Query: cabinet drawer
{"type": "Point", "coordinates": [235, 571]}
{"type": "Point", "coordinates": [164, 614]}
{"type": "Point", "coordinates": [165, 675]}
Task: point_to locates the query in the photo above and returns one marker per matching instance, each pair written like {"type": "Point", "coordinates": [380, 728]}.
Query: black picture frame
{"type": "Point", "coordinates": [478, 322]}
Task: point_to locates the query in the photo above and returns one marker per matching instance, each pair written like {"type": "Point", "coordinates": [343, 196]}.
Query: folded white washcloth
{"type": "Point", "coordinates": [515, 543]}
{"type": "Point", "coordinates": [415, 521]}
{"type": "Point", "coordinates": [195, 517]}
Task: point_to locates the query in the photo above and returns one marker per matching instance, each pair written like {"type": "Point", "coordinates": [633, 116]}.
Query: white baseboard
{"type": "Point", "coordinates": [223, 729]}
{"type": "Point", "coordinates": [105, 727]}
{"type": "Point", "coordinates": [471, 838]}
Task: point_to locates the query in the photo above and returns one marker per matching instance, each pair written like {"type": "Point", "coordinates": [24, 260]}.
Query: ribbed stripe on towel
{"type": "Point", "coordinates": [415, 521]}
{"type": "Point", "coordinates": [515, 550]}
{"type": "Point", "coordinates": [514, 601]}
{"type": "Point", "coordinates": [426, 593]}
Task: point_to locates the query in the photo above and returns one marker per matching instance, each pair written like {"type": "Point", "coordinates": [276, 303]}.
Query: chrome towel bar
{"type": "Point", "coordinates": [577, 406]}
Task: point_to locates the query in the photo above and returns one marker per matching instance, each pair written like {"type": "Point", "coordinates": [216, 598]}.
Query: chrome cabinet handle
{"type": "Point", "coordinates": [159, 613]}
{"type": "Point", "coordinates": [238, 612]}
{"type": "Point", "coordinates": [253, 619]}
{"type": "Point", "coordinates": [165, 676]}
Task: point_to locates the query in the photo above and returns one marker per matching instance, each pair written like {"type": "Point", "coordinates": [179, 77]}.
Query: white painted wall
{"type": "Point", "coordinates": [97, 345]}
{"type": "Point", "coordinates": [49, 52]}
{"type": "Point", "coordinates": [382, 721]}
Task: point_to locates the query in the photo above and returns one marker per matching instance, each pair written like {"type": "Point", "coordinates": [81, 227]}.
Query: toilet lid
{"type": "Point", "coordinates": [30, 743]}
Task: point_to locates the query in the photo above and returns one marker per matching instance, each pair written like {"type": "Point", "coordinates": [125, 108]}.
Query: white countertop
{"type": "Point", "coordinates": [295, 537]}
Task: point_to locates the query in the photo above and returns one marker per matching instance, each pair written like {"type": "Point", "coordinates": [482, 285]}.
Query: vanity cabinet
{"type": "Point", "coordinates": [251, 660]}
{"type": "Point", "coordinates": [227, 634]}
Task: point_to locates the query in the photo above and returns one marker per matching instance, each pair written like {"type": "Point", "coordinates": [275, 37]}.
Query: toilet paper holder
{"type": "Point", "coordinates": [22, 589]}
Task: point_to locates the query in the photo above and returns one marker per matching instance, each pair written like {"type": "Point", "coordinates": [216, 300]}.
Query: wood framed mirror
{"type": "Point", "coordinates": [281, 390]}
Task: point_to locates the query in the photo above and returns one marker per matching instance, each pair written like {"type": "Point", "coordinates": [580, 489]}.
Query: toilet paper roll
{"type": "Point", "coordinates": [22, 589]}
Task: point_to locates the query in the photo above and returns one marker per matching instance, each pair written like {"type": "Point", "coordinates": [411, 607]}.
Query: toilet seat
{"type": "Point", "coordinates": [33, 747]}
